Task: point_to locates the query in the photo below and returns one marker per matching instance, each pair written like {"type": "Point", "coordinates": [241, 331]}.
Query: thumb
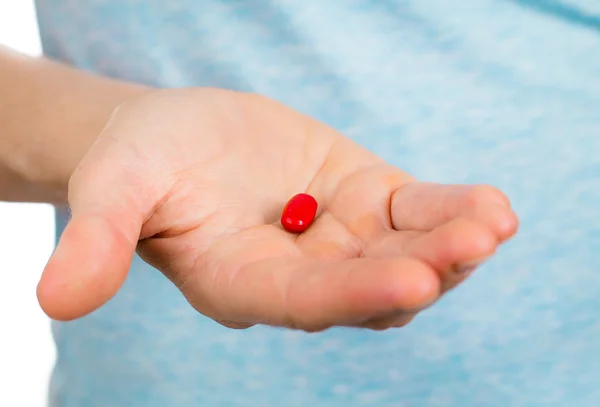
{"type": "Point", "coordinates": [94, 254]}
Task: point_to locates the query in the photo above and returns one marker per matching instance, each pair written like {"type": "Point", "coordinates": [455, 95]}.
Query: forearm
{"type": "Point", "coordinates": [49, 116]}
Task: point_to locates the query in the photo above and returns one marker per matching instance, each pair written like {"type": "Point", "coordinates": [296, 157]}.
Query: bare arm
{"type": "Point", "coordinates": [49, 116]}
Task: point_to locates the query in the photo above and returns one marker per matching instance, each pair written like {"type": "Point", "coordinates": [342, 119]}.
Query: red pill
{"type": "Point", "coordinates": [298, 213]}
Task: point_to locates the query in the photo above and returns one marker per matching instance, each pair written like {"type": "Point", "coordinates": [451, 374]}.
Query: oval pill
{"type": "Point", "coordinates": [299, 213]}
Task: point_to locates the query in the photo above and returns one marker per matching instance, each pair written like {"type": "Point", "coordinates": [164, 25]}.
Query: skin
{"type": "Point", "coordinates": [195, 179]}
{"type": "Point", "coordinates": [50, 114]}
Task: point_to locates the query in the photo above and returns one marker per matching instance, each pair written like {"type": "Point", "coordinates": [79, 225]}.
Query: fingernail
{"type": "Point", "coordinates": [469, 267]}
{"type": "Point", "coordinates": [465, 269]}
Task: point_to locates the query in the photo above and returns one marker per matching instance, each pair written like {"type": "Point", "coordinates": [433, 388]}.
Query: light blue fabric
{"type": "Point", "coordinates": [497, 91]}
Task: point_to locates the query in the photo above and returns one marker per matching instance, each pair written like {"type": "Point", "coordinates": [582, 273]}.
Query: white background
{"type": "Point", "coordinates": [26, 241]}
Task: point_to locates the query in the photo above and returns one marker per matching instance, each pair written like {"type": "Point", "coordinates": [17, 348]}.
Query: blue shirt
{"type": "Point", "coordinates": [505, 92]}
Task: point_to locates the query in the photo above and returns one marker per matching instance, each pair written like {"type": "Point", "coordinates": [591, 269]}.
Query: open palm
{"type": "Point", "coordinates": [195, 181]}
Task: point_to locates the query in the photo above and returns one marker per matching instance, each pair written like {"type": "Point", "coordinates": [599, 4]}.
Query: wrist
{"type": "Point", "coordinates": [51, 114]}
{"type": "Point", "coordinates": [47, 162]}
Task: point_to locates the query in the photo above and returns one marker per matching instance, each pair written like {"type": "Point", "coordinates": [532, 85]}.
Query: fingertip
{"type": "Point", "coordinates": [87, 268]}
{"type": "Point", "coordinates": [507, 224]}
{"type": "Point", "coordinates": [46, 295]}
{"type": "Point", "coordinates": [458, 241]}
{"type": "Point", "coordinates": [413, 285]}
{"type": "Point", "coordinates": [484, 241]}
{"type": "Point", "coordinates": [501, 220]}
{"type": "Point", "coordinates": [47, 291]}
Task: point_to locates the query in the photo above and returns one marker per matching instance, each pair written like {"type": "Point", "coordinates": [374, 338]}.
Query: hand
{"type": "Point", "coordinates": [195, 181]}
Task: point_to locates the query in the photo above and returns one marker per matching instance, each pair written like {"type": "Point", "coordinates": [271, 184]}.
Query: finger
{"type": "Point", "coordinates": [95, 251]}
{"type": "Point", "coordinates": [454, 249]}
{"type": "Point", "coordinates": [314, 295]}
{"type": "Point", "coordinates": [502, 222]}
{"type": "Point", "coordinates": [424, 206]}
